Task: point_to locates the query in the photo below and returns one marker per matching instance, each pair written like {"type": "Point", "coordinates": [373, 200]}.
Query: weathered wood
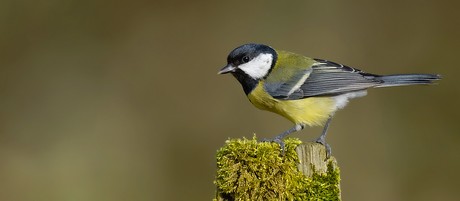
{"type": "Point", "coordinates": [312, 158]}
{"type": "Point", "coordinates": [248, 170]}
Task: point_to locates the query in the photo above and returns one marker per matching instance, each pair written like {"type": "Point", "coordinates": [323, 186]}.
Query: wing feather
{"type": "Point", "coordinates": [324, 78]}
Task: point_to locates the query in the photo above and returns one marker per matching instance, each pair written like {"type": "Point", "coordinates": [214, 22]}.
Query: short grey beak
{"type": "Point", "coordinates": [227, 69]}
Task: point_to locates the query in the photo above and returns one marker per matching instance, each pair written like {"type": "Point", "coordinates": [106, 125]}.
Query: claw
{"type": "Point", "coordinates": [278, 141]}
{"type": "Point", "coordinates": [281, 143]}
{"type": "Point", "coordinates": [321, 140]}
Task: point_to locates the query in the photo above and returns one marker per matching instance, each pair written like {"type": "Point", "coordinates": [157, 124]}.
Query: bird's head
{"type": "Point", "coordinates": [253, 61]}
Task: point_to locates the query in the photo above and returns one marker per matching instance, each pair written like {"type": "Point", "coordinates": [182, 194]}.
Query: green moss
{"type": "Point", "coordinates": [252, 170]}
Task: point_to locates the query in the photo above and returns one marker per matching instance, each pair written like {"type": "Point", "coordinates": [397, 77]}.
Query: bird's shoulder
{"type": "Point", "coordinates": [289, 72]}
{"type": "Point", "coordinates": [289, 65]}
{"type": "Point", "coordinates": [292, 60]}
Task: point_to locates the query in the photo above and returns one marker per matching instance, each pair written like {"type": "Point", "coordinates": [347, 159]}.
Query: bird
{"type": "Point", "coordinates": [304, 90]}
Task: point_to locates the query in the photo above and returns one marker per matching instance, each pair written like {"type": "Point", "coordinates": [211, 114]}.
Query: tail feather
{"type": "Point", "coordinates": [406, 79]}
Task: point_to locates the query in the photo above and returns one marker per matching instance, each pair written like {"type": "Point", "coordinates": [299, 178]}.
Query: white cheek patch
{"type": "Point", "coordinates": [258, 67]}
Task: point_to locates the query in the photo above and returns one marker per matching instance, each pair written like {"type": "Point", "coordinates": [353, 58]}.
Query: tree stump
{"type": "Point", "coordinates": [252, 170]}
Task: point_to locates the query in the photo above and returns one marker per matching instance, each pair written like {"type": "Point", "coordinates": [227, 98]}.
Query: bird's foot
{"type": "Point", "coordinates": [322, 141]}
{"type": "Point", "coordinates": [278, 141]}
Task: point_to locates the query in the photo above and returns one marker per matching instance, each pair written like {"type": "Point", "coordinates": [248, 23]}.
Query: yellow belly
{"type": "Point", "coordinates": [311, 111]}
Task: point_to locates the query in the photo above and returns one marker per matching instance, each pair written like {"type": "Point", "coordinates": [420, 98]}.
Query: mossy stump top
{"type": "Point", "coordinates": [252, 170]}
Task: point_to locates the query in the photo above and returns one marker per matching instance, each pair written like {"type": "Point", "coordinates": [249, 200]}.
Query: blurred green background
{"type": "Point", "coordinates": [109, 100]}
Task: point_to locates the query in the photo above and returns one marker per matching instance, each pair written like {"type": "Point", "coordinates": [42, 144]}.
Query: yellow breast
{"type": "Point", "coordinates": [311, 111]}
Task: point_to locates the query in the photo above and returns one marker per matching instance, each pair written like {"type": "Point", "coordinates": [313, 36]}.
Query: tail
{"type": "Point", "coordinates": [406, 79]}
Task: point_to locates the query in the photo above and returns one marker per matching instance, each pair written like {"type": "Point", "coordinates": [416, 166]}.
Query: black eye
{"type": "Point", "coordinates": [245, 59]}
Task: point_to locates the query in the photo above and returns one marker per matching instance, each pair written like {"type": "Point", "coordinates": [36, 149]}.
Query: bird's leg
{"type": "Point", "coordinates": [279, 138]}
{"type": "Point", "coordinates": [322, 138]}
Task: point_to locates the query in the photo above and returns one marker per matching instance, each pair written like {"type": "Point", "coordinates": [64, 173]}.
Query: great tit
{"type": "Point", "coordinates": [304, 90]}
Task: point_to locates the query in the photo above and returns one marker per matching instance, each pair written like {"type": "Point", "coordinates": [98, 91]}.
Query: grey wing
{"type": "Point", "coordinates": [288, 88]}
{"type": "Point", "coordinates": [325, 79]}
